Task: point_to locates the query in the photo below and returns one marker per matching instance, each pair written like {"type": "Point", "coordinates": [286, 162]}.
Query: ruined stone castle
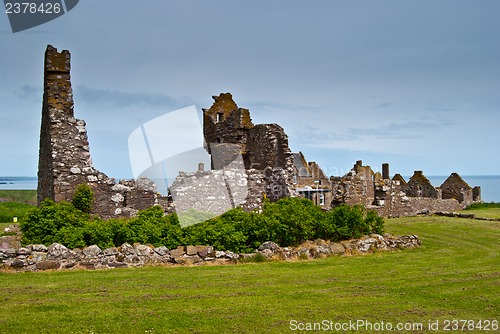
{"type": "Point", "coordinates": [248, 163]}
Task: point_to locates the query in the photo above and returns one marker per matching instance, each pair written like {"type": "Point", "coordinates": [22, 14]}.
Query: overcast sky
{"type": "Point", "coordinates": [412, 83]}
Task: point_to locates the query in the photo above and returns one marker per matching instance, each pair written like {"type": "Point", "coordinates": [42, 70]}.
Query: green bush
{"type": "Point", "coordinates": [288, 222]}
{"type": "Point", "coordinates": [83, 198]}
{"type": "Point", "coordinates": [476, 206]}
{"type": "Point", "coordinates": [43, 225]}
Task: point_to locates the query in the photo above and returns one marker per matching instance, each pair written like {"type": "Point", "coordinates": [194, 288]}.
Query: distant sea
{"type": "Point", "coordinates": [490, 184]}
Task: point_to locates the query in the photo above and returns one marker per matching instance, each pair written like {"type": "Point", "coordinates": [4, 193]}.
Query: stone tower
{"type": "Point", "coordinates": [64, 157]}
{"type": "Point", "coordinates": [64, 149]}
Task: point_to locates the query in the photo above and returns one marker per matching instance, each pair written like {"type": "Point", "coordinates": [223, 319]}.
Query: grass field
{"type": "Point", "coordinates": [18, 203]}
{"type": "Point", "coordinates": [21, 196]}
{"type": "Point", "coordinates": [454, 275]}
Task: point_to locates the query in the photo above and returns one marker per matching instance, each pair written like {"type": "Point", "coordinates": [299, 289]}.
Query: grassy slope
{"type": "Point", "coordinates": [21, 196]}
{"type": "Point", "coordinates": [485, 213]}
{"type": "Point", "coordinates": [20, 202]}
{"type": "Point", "coordinates": [454, 275]}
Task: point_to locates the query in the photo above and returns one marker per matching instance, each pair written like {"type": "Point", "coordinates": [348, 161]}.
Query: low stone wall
{"type": "Point", "coordinates": [57, 256]}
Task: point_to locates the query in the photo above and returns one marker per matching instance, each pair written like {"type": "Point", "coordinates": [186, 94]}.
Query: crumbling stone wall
{"type": "Point", "coordinates": [64, 157]}
{"type": "Point", "coordinates": [454, 187]}
{"type": "Point", "coordinates": [420, 186]}
{"type": "Point", "coordinates": [392, 201]}
{"type": "Point", "coordinates": [356, 187]}
{"type": "Point", "coordinates": [396, 198]}
{"type": "Point", "coordinates": [254, 157]}
{"type": "Point", "coordinates": [229, 131]}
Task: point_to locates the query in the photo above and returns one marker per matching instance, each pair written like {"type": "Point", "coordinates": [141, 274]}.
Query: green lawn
{"type": "Point", "coordinates": [454, 275]}
{"type": "Point", "coordinates": [21, 196]}
{"type": "Point", "coordinates": [19, 202]}
{"type": "Point", "coordinates": [485, 213]}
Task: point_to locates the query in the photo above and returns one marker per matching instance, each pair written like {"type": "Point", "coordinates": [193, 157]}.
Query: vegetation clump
{"type": "Point", "coordinates": [288, 222]}
{"type": "Point", "coordinates": [479, 206]}
{"type": "Point", "coordinates": [83, 198]}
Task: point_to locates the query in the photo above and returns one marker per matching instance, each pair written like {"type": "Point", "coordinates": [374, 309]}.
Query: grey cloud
{"type": "Point", "coordinates": [402, 130]}
{"type": "Point", "coordinates": [115, 98]}
{"type": "Point", "coordinates": [27, 92]}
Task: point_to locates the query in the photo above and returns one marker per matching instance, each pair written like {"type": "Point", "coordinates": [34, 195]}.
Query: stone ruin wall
{"type": "Point", "coordinates": [64, 157]}
{"type": "Point", "coordinates": [266, 168]}
{"type": "Point", "coordinates": [258, 154]}
{"type": "Point", "coordinates": [395, 197]}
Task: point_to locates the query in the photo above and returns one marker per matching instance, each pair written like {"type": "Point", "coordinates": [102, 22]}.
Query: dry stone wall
{"type": "Point", "coordinates": [57, 256]}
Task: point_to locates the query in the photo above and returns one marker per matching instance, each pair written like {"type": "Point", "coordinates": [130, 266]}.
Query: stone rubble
{"type": "Point", "coordinates": [57, 256]}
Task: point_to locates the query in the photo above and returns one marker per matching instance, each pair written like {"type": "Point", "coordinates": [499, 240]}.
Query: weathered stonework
{"type": "Point", "coordinates": [64, 159]}
{"type": "Point", "coordinates": [58, 257]}
{"type": "Point", "coordinates": [420, 186]}
{"type": "Point", "coordinates": [396, 198]}
{"type": "Point", "coordinates": [456, 188]}
{"type": "Point", "coordinates": [249, 162]}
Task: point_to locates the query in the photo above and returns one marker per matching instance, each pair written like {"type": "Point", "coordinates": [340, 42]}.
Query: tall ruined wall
{"type": "Point", "coordinates": [64, 147]}
{"type": "Point", "coordinates": [229, 131]}
{"type": "Point", "coordinates": [64, 157]}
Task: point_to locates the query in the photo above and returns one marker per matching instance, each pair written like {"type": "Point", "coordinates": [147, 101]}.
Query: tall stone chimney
{"type": "Point", "coordinates": [64, 149]}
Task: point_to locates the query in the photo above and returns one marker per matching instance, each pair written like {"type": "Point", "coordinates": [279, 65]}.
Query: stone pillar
{"type": "Point", "coordinates": [64, 148]}
{"type": "Point", "coordinates": [476, 194]}
{"type": "Point", "coordinates": [385, 171]}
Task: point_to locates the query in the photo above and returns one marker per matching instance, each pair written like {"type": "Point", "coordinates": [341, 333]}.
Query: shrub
{"type": "Point", "coordinates": [350, 222]}
{"type": "Point", "coordinates": [83, 198]}
{"type": "Point", "coordinates": [288, 222]}
{"type": "Point", "coordinates": [43, 225]}
{"type": "Point", "coordinates": [476, 206]}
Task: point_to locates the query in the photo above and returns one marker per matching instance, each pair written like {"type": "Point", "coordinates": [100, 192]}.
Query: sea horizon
{"type": "Point", "coordinates": [490, 184]}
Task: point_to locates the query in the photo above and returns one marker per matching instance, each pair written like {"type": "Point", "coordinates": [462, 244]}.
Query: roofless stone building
{"type": "Point", "coordinates": [267, 167]}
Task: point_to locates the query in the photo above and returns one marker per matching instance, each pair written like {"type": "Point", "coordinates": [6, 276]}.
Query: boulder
{"type": "Point", "coordinates": [57, 251]}
{"type": "Point", "coordinates": [161, 251]}
{"type": "Point", "coordinates": [110, 251]}
{"type": "Point", "coordinates": [37, 248]}
{"type": "Point", "coordinates": [232, 256]}
{"type": "Point", "coordinates": [36, 257]}
{"type": "Point", "coordinates": [177, 252]}
{"type": "Point", "coordinates": [127, 249]}
{"type": "Point", "coordinates": [45, 265]}
{"type": "Point", "coordinates": [92, 251]}
{"type": "Point", "coordinates": [18, 264]}
{"type": "Point", "coordinates": [23, 251]}
{"type": "Point", "coordinates": [143, 250]}
{"type": "Point", "coordinates": [191, 250]}
{"type": "Point", "coordinates": [337, 248]}
{"type": "Point", "coordinates": [274, 247]}
{"type": "Point", "coordinates": [364, 245]}
{"type": "Point", "coordinates": [10, 241]}
{"type": "Point", "coordinates": [205, 251]}
{"type": "Point", "coordinates": [219, 254]}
